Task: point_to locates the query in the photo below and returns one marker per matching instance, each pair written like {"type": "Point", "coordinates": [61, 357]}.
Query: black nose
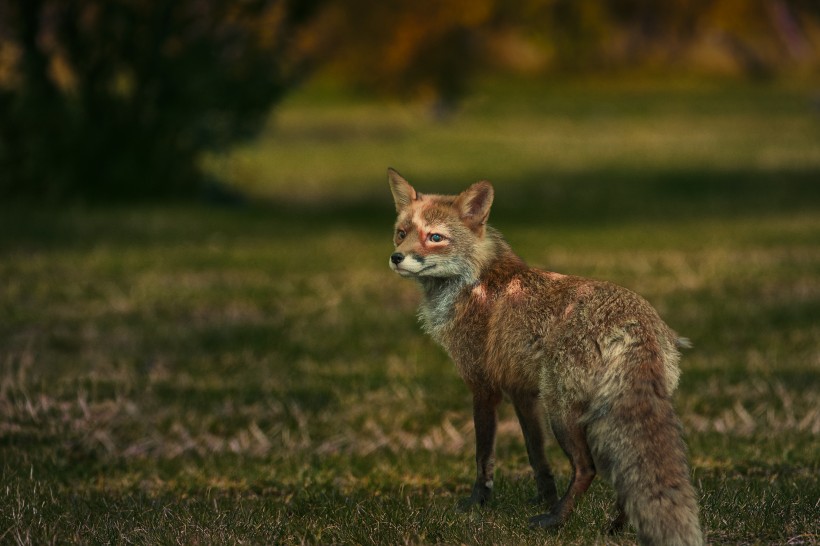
{"type": "Point", "coordinates": [397, 258]}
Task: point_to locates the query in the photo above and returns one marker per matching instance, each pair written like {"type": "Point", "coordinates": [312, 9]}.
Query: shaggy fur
{"type": "Point", "coordinates": [592, 359]}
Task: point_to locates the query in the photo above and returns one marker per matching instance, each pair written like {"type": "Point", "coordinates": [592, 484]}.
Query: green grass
{"type": "Point", "coordinates": [188, 374]}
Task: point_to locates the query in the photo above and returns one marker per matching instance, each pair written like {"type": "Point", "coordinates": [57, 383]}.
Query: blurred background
{"type": "Point", "coordinates": [123, 99]}
{"type": "Point", "coordinates": [201, 341]}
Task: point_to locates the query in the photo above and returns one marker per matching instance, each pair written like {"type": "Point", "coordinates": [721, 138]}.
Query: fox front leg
{"type": "Point", "coordinates": [530, 414]}
{"type": "Point", "coordinates": [485, 420]}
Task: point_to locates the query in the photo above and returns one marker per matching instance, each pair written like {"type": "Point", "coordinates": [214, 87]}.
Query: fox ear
{"type": "Point", "coordinates": [403, 192]}
{"type": "Point", "coordinates": [474, 204]}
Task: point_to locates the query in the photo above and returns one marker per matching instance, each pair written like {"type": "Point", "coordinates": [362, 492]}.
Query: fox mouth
{"type": "Point", "coordinates": [408, 273]}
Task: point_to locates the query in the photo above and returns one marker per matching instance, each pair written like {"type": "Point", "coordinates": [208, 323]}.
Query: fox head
{"type": "Point", "coordinates": [440, 236]}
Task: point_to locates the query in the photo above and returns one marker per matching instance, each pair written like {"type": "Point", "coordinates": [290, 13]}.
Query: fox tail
{"type": "Point", "coordinates": [636, 441]}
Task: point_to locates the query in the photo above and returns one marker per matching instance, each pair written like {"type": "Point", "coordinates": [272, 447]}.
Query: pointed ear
{"type": "Point", "coordinates": [474, 204]}
{"type": "Point", "coordinates": [403, 192]}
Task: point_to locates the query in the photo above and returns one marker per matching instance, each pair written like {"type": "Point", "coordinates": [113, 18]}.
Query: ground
{"type": "Point", "coordinates": [255, 373]}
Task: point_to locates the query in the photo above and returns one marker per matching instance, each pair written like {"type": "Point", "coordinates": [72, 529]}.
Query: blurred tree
{"type": "Point", "coordinates": [116, 98]}
{"type": "Point", "coordinates": [434, 48]}
{"type": "Point", "coordinates": [759, 36]}
{"type": "Point", "coordinates": [410, 47]}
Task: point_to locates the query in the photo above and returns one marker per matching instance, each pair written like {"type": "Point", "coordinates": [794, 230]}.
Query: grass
{"type": "Point", "coordinates": [190, 374]}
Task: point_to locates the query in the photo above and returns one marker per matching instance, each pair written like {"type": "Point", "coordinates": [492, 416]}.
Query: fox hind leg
{"type": "Point", "coordinates": [571, 438]}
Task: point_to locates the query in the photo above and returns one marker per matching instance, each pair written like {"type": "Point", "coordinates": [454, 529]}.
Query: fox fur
{"type": "Point", "coordinates": [590, 358]}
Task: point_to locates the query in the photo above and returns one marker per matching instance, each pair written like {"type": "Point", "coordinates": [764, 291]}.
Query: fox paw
{"type": "Point", "coordinates": [545, 499]}
{"type": "Point", "coordinates": [549, 520]}
{"type": "Point", "coordinates": [481, 494]}
{"type": "Point", "coordinates": [617, 524]}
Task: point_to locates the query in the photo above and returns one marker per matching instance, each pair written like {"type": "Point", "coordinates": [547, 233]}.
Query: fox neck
{"type": "Point", "coordinates": [441, 294]}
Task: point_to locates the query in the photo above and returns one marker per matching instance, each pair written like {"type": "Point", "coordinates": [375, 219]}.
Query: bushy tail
{"type": "Point", "coordinates": [636, 442]}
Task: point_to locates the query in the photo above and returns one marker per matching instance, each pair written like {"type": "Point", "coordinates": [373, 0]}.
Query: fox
{"type": "Point", "coordinates": [589, 358]}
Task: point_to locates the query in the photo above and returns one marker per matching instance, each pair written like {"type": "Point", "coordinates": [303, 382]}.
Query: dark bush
{"type": "Point", "coordinates": [116, 99]}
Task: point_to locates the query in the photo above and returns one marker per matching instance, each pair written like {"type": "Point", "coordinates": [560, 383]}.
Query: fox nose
{"type": "Point", "coordinates": [397, 258]}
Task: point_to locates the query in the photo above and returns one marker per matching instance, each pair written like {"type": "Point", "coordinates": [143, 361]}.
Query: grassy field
{"type": "Point", "coordinates": [255, 374]}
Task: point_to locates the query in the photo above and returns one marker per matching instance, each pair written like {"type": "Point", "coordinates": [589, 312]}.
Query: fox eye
{"type": "Point", "coordinates": [401, 234]}
{"type": "Point", "coordinates": [436, 237]}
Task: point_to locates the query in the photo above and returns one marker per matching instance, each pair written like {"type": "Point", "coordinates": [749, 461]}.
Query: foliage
{"type": "Point", "coordinates": [115, 98]}
{"type": "Point", "coordinates": [410, 47]}
{"type": "Point", "coordinates": [181, 374]}
{"type": "Point", "coordinates": [435, 49]}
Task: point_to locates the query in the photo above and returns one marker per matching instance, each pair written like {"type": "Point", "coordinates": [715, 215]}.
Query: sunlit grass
{"type": "Point", "coordinates": [256, 374]}
{"type": "Point", "coordinates": [315, 149]}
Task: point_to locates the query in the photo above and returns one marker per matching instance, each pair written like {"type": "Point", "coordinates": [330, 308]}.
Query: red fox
{"type": "Point", "coordinates": [592, 359]}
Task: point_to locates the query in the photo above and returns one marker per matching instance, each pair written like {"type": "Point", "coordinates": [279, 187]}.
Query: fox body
{"type": "Point", "coordinates": [592, 359]}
